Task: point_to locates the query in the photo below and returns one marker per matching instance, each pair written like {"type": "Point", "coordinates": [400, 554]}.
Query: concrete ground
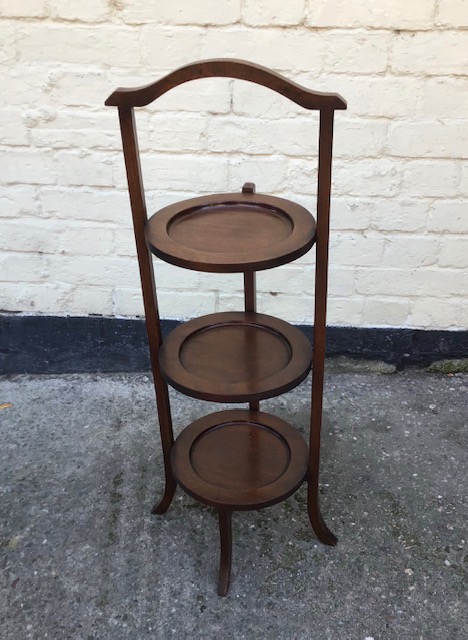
{"type": "Point", "coordinates": [82, 557]}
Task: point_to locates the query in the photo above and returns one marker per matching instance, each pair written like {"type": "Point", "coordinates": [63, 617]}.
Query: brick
{"type": "Point", "coordinates": [463, 187]}
{"type": "Point", "coordinates": [85, 10]}
{"type": "Point", "coordinates": [27, 166]}
{"type": "Point", "coordinates": [124, 242]}
{"type": "Point", "coordinates": [86, 240]}
{"type": "Point", "coordinates": [256, 101]}
{"type": "Point", "coordinates": [78, 88]}
{"type": "Point", "coordinates": [426, 178]}
{"type": "Point", "coordinates": [80, 45]}
{"type": "Point", "coordinates": [386, 312]}
{"type": "Point", "coordinates": [169, 48]}
{"type": "Point", "coordinates": [356, 249]}
{"type": "Point", "coordinates": [411, 282]}
{"type": "Point", "coordinates": [410, 251]}
{"type": "Point", "coordinates": [47, 297]}
{"type": "Point", "coordinates": [340, 281]}
{"type": "Point", "coordinates": [76, 128]}
{"type": "Point", "coordinates": [277, 49]}
{"type": "Point", "coordinates": [84, 300]}
{"type": "Point", "coordinates": [54, 297]}
{"type": "Point", "coordinates": [269, 174]}
{"type": "Point", "coordinates": [452, 13]}
{"type": "Point", "coordinates": [222, 283]}
{"type": "Point", "coordinates": [360, 138]}
{"type": "Point", "coordinates": [230, 302]}
{"type": "Point", "coordinates": [433, 312]}
{"type": "Point", "coordinates": [86, 204]}
{"type": "Point", "coordinates": [407, 215]}
{"type": "Point", "coordinates": [23, 9]}
{"type": "Point", "coordinates": [294, 137]}
{"type": "Point", "coordinates": [352, 213]}
{"type": "Point", "coordinates": [448, 216]}
{"type": "Point", "coordinates": [168, 276]}
{"type": "Point", "coordinates": [133, 12]}
{"type": "Point", "coordinates": [291, 308]}
{"type": "Point", "coordinates": [204, 12]}
{"type": "Point", "coordinates": [94, 270]}
{"type": "Point", "coordinates": [182, 132]}
{"type": "Point", "coordinates": [180, 172]}
{"type": "Point", "coordinates": [177, 305]}
{"type": "Point", "coordinates": [435, 53]}
{"type": "Point", "coordinates": [13, 131]}
{"type": "Point", "coordinates": [357, 52]}
{"type": "Point", "coordinates": [290, 280]}
{"type": "Point", "coordinates": [39, 115]}
{"type": "Point", "coordinates": [127, 302]}
{"type": "Point", "coordinates": [463, 314]}
{"type": "Point", "coordinates": [83, 169]}
{"type": "Point", "coordinates": [14, 267]}
{"type": "Point", "coordinates": [76, 138]}
{"type": "Point", "coordinates": [376, 96]}
{"type": "Point", "coordinates": [346, 312]}
{"type": "Point", "coordinates": [26, 85]}
{"type": "Point", "coordinates": [429, 139]}
{"type": "Point", "coordinates": [7, 43]}
{"type": "Point", "coordinates": [378, 177]}
{"type": "Point", "coordinates": [454, 253]}
{"type": "Point", "coordinates": [273, 12]}
{"type": "Point", "coordinates": [156, 200]}
{"type": "Point", "coordinates": [18, 200]}
{"type": "Point", "coordinates": [302, 176]}
{"type": "Point", "coordinates": [28, 236]}
{"type": "Point", "coordinates": [440, 98]}
{"type": "Point", "coordinates": [397, 14]}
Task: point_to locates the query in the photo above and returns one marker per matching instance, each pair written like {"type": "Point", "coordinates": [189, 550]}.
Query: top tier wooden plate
{"type": "Point", "coordinates": [231, 232]}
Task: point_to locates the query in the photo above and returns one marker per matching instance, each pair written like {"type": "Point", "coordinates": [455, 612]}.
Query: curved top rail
{"type": "Point", "coordinates": [225, 68]}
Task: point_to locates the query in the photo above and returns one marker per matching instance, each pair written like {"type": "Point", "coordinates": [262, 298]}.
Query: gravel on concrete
{"type": "Point", "coordinates": [83, 558]}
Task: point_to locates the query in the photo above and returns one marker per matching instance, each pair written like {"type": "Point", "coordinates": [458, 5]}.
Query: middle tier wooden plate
{"type": "Point", "coordinates": [231, 232]}
{"type": "Point", "coordinates": [235, 357]}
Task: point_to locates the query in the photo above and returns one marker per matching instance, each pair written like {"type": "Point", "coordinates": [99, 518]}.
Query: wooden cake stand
{"type": "Point", "coordinates": [238, 459]}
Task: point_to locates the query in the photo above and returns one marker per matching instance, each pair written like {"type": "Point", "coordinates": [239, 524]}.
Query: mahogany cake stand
{"type": "Point", "coordinates": [237, 459]}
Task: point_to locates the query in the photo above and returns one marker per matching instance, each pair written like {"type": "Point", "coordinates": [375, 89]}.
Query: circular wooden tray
{"type": "Point", "coordinates": [240, 459]}
{"type": "Point", "coordinates": [231, 232]}
{"type": "Point", "coordinates": [235, 357]}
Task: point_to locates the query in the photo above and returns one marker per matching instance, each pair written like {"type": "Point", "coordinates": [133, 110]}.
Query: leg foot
{"type": "Point", "coordinates": [321, 530]}
{"type": "Point", "coordinates": [162, 506]}
{"type": "Point", "coordinates": [225, 536]}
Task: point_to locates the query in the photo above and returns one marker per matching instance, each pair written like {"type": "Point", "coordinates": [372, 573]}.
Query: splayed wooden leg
{"type": "Point", "coordinates": [225, 536]}
{"type": "Point", "coordinates": [321, 530]}
{"type": "Point", "coordinates": [169, 490]}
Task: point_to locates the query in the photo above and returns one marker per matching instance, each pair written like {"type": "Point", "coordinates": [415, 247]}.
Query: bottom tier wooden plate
{"type": "Point", "coordinates": [235, 357]}
{"type": "Point", "coordinates": [240, 459]}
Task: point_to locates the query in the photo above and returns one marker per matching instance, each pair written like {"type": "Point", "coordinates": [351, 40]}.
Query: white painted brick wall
{"type": "Point", "coordinates": [399, 255]}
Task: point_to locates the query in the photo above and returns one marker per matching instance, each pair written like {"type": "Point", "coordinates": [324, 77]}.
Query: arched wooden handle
{"type": "Point", "coordinates": [225, 68]}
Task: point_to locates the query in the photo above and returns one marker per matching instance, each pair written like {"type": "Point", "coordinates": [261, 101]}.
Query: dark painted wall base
{"type": "Point", "coordinates": [50, 344]}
